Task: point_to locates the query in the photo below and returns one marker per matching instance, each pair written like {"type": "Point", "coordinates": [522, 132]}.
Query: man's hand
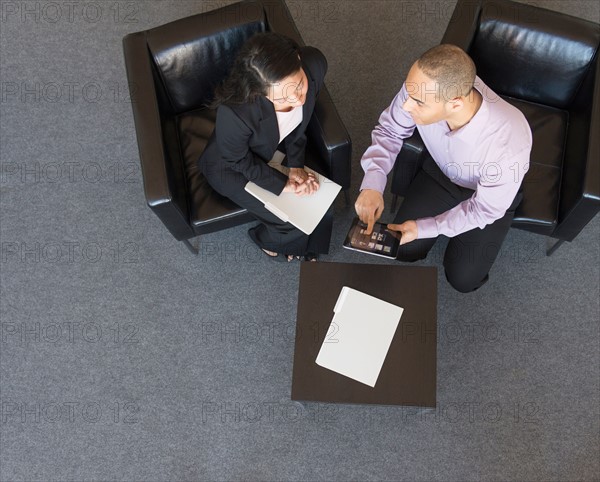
{"type": "Point", "coordinates": [408, 229]}
{"type": "Point", "coordinates": [369, 207]}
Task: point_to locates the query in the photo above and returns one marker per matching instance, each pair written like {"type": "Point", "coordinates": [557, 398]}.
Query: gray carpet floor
{"type": "Point", "coordinates": [123, 357]}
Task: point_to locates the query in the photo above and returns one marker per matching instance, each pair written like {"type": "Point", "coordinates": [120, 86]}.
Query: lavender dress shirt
{"type": "Point", "coordinates": [490, 155]}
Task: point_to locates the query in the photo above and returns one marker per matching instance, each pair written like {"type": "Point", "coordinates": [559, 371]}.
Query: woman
{"type": "Point", "coordinates": [264, 106]}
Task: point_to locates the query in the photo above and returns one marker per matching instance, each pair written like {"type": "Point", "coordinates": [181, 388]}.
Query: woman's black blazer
{"type": "Point", "coordinates": [246, 136]}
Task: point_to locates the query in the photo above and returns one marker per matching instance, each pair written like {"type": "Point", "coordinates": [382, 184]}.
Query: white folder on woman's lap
{"type": "Point", "coordinates": [304, 212]}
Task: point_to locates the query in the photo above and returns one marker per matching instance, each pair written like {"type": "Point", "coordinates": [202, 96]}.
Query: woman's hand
{"type": "Point", "coordinates": [298, 174]}
{"type": "Point", "coordinates": [306, 188]}
{"type": "Point", "coordinates": [290, 186]}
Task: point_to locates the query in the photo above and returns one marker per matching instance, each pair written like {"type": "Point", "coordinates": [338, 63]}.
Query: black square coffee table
{"type": "Point", "coordinates": [408, 375]}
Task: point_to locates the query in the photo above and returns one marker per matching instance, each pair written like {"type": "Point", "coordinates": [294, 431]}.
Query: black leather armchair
{"type": "Point", "coordinates": [173, 71]}
{"type": "Point", "coordinates": [546, 64]}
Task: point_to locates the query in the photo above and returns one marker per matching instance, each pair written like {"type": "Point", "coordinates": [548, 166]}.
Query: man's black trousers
{"type": "Point", "coordinates": [469, 256]}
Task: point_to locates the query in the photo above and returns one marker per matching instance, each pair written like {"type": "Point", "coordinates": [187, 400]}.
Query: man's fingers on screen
{"type": "Point", "coordinates": [370, 224]}
{"type": "Point", "coordinates": [394, 227]}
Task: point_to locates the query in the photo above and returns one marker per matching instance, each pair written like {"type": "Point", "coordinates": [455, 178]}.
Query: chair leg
{"type": "Point", "coordinates": [193, 249]}
{"type": "Point", "coordinates": [554, 247]}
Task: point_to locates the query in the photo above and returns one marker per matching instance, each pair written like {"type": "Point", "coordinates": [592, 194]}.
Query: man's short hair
{"type": "Point", "coordinates": [451, 68]}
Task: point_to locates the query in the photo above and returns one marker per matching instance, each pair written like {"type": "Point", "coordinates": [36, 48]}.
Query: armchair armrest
{"type": "Point", "coordinates": [170, 206]}
{"type": "Point", "coordinates": [329, 136]}
{"type": "Point", "coordinates": [580, 186]}
{"type": "Point", "coordinates": [407, 164]}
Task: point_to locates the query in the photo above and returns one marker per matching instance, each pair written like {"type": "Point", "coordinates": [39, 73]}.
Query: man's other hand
{"type": "Point", "coordinates": [369, 207]}
{"type": "Point", "coordinates": [408, 229]}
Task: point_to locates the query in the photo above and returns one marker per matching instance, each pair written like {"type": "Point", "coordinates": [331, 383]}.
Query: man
{"type": "Point", "coordinates": [469, 184]}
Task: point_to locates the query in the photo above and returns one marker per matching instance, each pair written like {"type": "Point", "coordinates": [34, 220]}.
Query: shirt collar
{"type": "Point", "coordinates": [469, 133]}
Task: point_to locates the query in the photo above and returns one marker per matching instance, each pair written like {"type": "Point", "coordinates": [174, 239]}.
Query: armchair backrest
{"type": "Point", "coordinates": [534, 54]}
{"type": "Point", "coordinates": [194, 54]}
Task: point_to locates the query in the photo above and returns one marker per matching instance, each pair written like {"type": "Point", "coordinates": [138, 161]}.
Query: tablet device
{"type": "Point", "coordinates": [381, 242]}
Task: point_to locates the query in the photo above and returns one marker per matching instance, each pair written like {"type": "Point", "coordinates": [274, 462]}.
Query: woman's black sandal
{"type": "Point", "coordinates": [280, 258]}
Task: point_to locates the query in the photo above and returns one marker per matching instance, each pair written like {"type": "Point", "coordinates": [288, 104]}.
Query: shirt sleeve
{"type": "Point", "coordinates": [395, 124]}
{"type": "Point", "coordinates": [496, 189]}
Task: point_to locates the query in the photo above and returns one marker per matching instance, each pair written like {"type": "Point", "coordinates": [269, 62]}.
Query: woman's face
{"type": "Point", "coordinates": [289, 92]}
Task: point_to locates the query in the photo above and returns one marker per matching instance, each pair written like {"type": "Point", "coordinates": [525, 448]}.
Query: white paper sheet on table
{"type": "Point", "coordinates": [359, 336]}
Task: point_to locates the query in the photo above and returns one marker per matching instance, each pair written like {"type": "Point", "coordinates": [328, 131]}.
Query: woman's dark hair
{"type": "Point", "coordinates": [266, 58]}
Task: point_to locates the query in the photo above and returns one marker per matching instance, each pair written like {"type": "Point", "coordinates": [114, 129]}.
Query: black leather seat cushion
{"type": "Point", "coordinates": [206, 205]}
{"type": "Point", "coordinates": [541, 185]}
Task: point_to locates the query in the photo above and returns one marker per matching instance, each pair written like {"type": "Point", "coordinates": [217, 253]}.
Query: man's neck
{"type": "Point", "coordinates": [471, 107]}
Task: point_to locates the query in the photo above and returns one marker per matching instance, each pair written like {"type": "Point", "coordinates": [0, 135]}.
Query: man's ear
{"type": "Point", "coordinates": [457, 104]}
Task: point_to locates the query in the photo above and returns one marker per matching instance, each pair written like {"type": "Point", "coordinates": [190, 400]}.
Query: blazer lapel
{"type": "Point", "coordinates": [267, 132]}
